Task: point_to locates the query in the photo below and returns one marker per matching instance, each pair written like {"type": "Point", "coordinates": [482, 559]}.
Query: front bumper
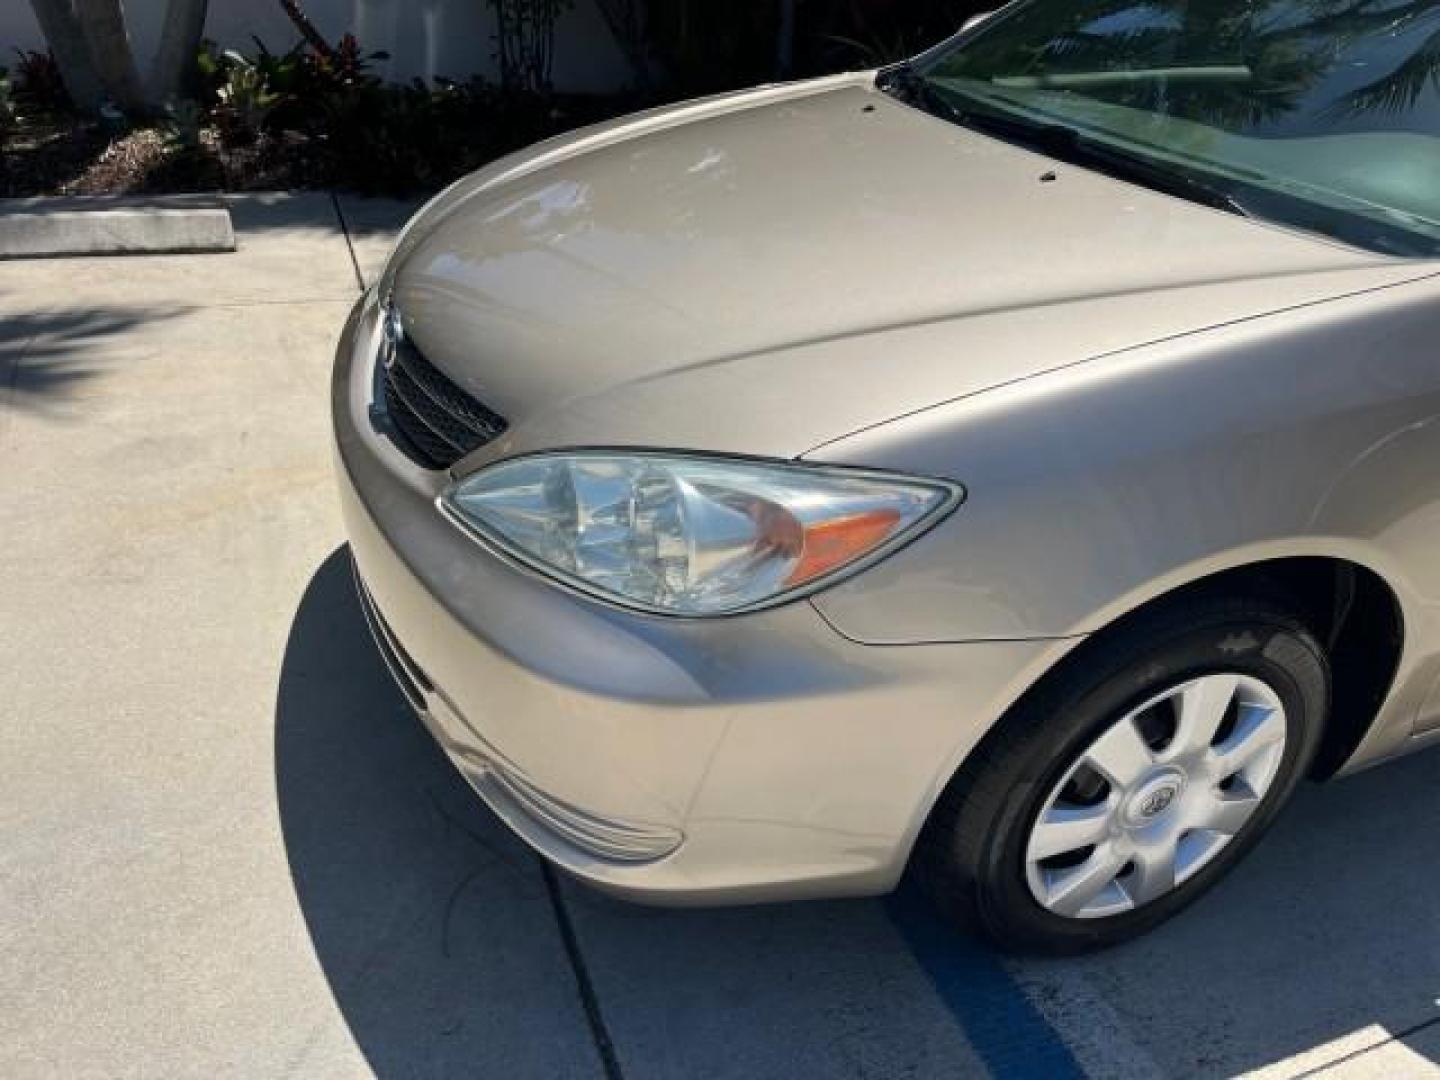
{"type": "Point", "coordinates": [755, 757]}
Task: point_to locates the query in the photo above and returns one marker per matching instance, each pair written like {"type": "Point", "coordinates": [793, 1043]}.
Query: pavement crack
{"type": "Point", "coordinates": [604, 1046]}
{"type": "Point", "coordinates": [1354, 1055]}
{"type": "Point", "coordinates": [349, 242]}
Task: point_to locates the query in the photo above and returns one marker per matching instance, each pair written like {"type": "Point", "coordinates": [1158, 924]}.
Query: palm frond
{"type": "Point", "coordinates": [1398, 91]}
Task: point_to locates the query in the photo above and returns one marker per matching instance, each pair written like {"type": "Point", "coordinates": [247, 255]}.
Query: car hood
{"type": "Point", "coordinates": [769, 271]}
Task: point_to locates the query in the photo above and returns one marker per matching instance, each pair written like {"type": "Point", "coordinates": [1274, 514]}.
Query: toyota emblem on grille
{"type": "Point", "coordinates": [393, 329]}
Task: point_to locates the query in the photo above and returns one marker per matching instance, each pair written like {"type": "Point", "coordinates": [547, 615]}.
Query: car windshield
{"type": "Point", "coordinates": [1322, 115]}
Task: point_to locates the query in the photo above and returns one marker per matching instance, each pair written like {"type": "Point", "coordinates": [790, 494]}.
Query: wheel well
{"type": "Point", "coordinates": [1355, 615]}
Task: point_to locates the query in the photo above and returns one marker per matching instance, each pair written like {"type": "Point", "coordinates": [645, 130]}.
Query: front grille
{"type": "Point", "coordinates": [433, 420]}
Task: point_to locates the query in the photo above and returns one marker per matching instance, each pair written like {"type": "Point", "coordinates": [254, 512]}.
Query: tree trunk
{"type": "Point", "coordinates": [103, 23]}
{"type": "Point", "coordinates": [67, 42]}
{"type": "Point", "coordinates": [179, 44]}
{"type": "Point", "coordinates": [785, 40]}
{"type": "Point", "coordinates": [312, 36]}
{"type": "Point", "coordinates": [626, 20]}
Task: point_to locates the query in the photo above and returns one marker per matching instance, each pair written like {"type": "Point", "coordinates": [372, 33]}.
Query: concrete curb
{"type": "Point", "coordinates": [114, 225]}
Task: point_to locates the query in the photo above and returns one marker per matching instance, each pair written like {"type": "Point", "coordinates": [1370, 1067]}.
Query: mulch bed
{"type": "Point", "coordinates": [64, 156]}
{"type": "Point", "coordinates": [52, 153]}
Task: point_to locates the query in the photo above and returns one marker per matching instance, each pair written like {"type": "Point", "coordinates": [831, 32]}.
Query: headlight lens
{"type": "Point", "coordinates": [692, 535]}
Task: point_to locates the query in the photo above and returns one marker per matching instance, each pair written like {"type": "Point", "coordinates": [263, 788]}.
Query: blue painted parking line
{"type": "Point", "coordinates": [1005, 1029]}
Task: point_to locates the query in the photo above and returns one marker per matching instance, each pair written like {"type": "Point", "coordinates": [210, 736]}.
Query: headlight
{"type": "Point", "coordinates": [686, 535]}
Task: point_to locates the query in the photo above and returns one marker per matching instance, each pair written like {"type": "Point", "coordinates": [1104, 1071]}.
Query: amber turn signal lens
{"type": "Point", "coordinates": [831, 544]}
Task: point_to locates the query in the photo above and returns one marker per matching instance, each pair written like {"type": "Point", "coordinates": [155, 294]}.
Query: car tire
{"type": "Point", "coordinates": [984, 853]}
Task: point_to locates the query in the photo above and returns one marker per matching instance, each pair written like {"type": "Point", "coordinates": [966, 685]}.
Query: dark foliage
{"type": "Point", "coordinates": [707, 45]}
{"type": "Point", "coordinates": [318, 114]}
{"type": "Point", "coordinates": [379, 137]}
{"type": "Point", "coordinates": [37, 82]}
{"type": "Point", "coordinates": [356, 131]}
{"type": "Point", "coordinates": [8, 112]}
{"type": "Point", "coordinates": [525, 42]}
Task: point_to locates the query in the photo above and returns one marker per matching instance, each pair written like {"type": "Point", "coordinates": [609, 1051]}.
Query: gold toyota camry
{"type": "Point", "coordinates": [1020, 465]}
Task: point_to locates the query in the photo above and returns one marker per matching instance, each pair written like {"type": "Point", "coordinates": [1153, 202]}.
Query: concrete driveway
{"type": "Point", "coordinates": [226, 849]}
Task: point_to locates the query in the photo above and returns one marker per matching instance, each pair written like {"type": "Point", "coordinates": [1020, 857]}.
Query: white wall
{"type": "Point", "coordinates": [424, 37]}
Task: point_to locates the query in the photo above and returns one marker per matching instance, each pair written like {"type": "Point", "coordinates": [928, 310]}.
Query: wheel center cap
{"type": "Point", "coordinates": [1154, 799]}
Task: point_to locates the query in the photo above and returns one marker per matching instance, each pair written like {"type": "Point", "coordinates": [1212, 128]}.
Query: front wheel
{"type": "Point", "coordinates": [1131, 781]}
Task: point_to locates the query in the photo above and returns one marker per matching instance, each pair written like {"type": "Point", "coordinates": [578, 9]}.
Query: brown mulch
{"type": "Point", "coordinates": [65, 156]}
{"type": "Point", "coordinates": [41, 155]}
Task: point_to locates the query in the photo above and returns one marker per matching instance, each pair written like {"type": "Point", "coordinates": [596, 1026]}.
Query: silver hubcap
{"type": "Point", "coordinates": [1156, 796]}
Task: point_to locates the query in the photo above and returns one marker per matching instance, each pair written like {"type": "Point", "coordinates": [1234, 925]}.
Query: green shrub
{"type": "Point", "coordinates": [244, 99]}
{"type": "Point", "coordinates": [38, 84]}
{"type": "Point", "coordinates": [184, 122]}
{"type": "Point", "coordinates": [7, 103]}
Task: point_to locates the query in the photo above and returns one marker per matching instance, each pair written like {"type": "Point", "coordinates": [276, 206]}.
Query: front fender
{"type": "Point", "coordinates": [1097, 487]}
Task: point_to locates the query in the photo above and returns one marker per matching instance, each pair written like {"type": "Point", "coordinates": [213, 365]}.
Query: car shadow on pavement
{"type": "Point", "coordinates": [432, 925]}
{"type": "Point", "coordinates": [437, 935]}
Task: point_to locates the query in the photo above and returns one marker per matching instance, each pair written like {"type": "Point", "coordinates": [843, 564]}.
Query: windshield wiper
{"type": "Point", "coordinates": [1058, 141]}
{"type": "Point", "coordinates": [904, 82]}
{"type": "Point", "coordinates": [1067, 144]}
